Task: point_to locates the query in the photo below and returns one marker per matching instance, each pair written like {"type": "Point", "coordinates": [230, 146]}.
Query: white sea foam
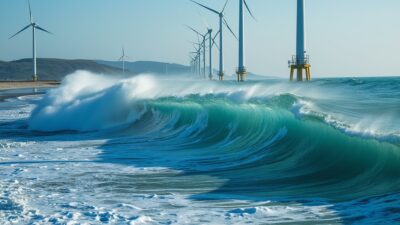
{"type": "Point", "coordinates": [87, 101]}
{"type": "Point", "coordinates": [380, 128]}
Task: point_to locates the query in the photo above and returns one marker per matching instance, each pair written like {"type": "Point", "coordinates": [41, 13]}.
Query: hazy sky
{"type": "Point", "coordinates": [345, 37]}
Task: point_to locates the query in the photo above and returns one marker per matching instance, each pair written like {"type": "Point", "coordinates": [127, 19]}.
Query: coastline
{"type": "Point", "coordinates": [9, 85]}
{"type": "Point", "coordinates": [14, 89]}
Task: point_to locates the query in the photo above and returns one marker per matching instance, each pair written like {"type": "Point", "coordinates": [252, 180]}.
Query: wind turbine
{"type": "Point", "coordinates": [210, 76]}
{"type": "Point", "coordinates": [222, 21]}
{"type": "Point", "coordinates": [300, 61]}
{"type": "Point", "coordinates": [123, 57]}
{"type": "Point", "coordinates": [34, 27]}
{"type": "Point", "coordinates": [192, 63]}
{"type": "Point", "coordinates": [211, 44]}
{"type": "Point", "coordinates": [241, 70]}
{"type": "Point", "coordinates": [199, 59]}
{"type": "Point", "coordinates": [204, 36]}
{"type": "Point", "coordinates": [196, 60]}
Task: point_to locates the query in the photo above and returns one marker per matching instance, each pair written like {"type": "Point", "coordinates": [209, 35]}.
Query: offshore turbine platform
{"type": "Point", "coordinates": [301, 61]}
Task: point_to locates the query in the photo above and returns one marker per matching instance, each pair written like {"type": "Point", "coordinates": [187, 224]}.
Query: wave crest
{"type": "Point", "coordinates": [88, 102]}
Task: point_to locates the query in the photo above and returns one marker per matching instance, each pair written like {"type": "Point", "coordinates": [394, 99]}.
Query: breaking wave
{"type": "Point", "coordinates": [267, 139]}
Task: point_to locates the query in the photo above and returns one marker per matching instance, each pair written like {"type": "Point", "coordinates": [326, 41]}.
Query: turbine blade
{"type": "Point", "coordinates": [226, 3]}
{"type": "Point", "coordinates": [30, 11]}
{"type": "Point", "coordinates": [194, 30]}
{"type": "Point", "coordinates": [216, 35]}
{"type": "Point", "coordinates": [42, 29]}
{"type": "Point", "coordinates": [20, 31]}
{"type": "Point", "coordinates": [216, 46]}
{"type": "Point", "coordinates": [206, 35]}
{"type": "Point", "coordinates": [212, 10]}
{"type": "Point", "coordinates": [248, 9]}
{"type": "Point", "coordinates": [215, 43]}
{"type": "Point", "coordinates": [229, 28]}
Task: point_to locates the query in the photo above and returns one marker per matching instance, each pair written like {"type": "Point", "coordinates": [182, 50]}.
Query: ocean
{"type": "Point", "coordinates": [145, 150]}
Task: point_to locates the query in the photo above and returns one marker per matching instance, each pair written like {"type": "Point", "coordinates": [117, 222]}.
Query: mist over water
{"type": "Point", "coordinates": [160, 150]}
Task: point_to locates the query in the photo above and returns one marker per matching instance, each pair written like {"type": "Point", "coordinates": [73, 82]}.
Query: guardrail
{"type": "Point", "coordinates": [298, 61]}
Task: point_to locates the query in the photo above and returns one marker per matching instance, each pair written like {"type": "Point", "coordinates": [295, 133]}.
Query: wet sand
{"type": "Point", "coordinates": [7, 85]}
{"type": "Point", "coordinates": [13, 89]}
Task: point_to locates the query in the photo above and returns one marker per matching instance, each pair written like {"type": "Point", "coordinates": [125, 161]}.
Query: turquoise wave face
{"type": "Point", "coordinates": [263, 150]}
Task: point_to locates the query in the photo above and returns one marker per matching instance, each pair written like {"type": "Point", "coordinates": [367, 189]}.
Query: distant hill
{"type": "Point", "coordinates": [149, 67]}
{"type": "Point", "coordinates": [161, 68]}
{"type": "Point", "coordinates": [50, 69]}
{"type": "Point", "coordinates": [57, 69]}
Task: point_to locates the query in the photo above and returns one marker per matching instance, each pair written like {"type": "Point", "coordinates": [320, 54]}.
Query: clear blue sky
{"type": "Point", "coordinates": [345, 37]}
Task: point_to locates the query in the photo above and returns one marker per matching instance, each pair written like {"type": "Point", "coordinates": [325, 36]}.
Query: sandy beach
{"type": "Point", "coordinates": [7, 85]}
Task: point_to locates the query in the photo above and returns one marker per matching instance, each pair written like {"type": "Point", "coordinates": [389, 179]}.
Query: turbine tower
{"type": "Point", "coordinates": [210, 75]}
{"type": "Point", "coordinates": [222, 21]}
{"type": "Point", "coordinates": [301, 61]}
{"type": "Point", "coordinates": [196, 61]}
{"type": "Point", "coordinates": [193, 60]}
{"type": "Point", "coordinates": [197, 58]}
{"type": "Point", "coordinates": [122, 59]}
{"type": "Point", "coordinates": [241, 70]}
{"type": "Point", "coordinates": [212, 43]}
{"type": "Point", "coordinates": [34, 27]}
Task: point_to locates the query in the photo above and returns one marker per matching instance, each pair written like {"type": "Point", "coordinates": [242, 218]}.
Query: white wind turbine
{"type": "Point", "coordinates": [196, 59]}
{"type": "Point", "coordinates": [241, 70]}
{"type": "Point", "coordinates": [34, 27]}
{"type": "Point", "coordinates": [204, 36]}
{"type": "Point", "coordinates": [222, 21]}
{"type": "Point", "coordinates": [301, 61]}
{"type": "Point", "coordinates": [122, 59]}
{"type": "Point", "coordinates": [210, 44]}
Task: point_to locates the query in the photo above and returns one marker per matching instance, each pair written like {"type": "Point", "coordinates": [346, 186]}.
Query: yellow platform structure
{"type": "Point", "coordinates": [221, 76]}
{"type": "Point", "coordinates": [241, 75]}
{"type": "Point", "coordinates": [300, 69]}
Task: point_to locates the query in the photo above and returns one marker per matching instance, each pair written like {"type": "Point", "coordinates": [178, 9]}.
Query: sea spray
{"type": "Point", "coordinates": [87, 102]}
